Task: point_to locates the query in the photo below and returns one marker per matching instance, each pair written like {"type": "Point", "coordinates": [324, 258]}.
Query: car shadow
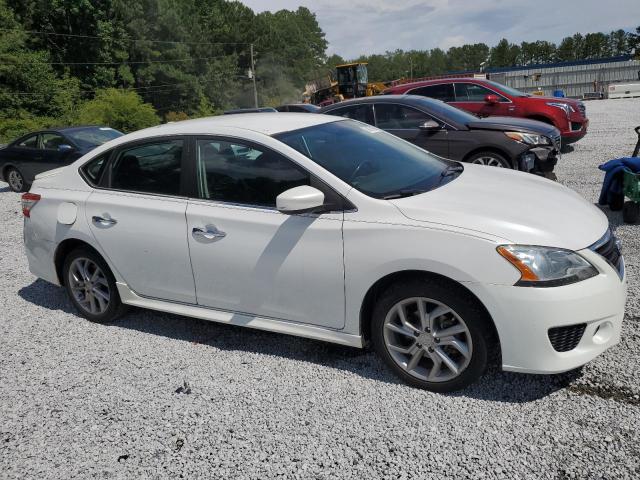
{"type": "Point", "coordinates": [495, 385]}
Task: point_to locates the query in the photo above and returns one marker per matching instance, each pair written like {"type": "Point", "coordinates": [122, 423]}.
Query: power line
{"type": "Point", "coordinates": [96, 37]}
{"type": "Point", "coordinates": [115, 63]}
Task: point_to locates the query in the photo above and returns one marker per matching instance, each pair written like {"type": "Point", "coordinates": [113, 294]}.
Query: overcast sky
{"type": "Point", "coordinates": [355, 27]}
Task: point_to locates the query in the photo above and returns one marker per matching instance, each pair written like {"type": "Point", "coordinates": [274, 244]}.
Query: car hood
{"type": "Point", "coordinates": [518, 207]}
{"type": "Point", "coordinates": [513, 124]}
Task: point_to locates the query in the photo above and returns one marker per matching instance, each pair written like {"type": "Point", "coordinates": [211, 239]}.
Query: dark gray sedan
{"type": "Point", "coordinates": [521, 144]}
{"type": "Point", "coordinates": [37, 152]}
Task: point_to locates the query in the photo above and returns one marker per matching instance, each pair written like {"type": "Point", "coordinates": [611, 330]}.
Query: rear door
{"type": "Point", "coordinates": [137, 215]}
{"type": "Point", "coordinates": [471, 97]}
{"type": "Point", "coordinates": [248, 257]}
{"type": "Point", "coordinates": [404, 122]}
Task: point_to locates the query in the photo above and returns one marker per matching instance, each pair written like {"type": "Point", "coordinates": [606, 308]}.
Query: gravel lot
{"type": "Point", "coordinates": [85, 400]}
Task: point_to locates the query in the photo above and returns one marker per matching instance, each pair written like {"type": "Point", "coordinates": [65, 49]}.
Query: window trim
{"type": "Point", "coordinates": [344, 204]}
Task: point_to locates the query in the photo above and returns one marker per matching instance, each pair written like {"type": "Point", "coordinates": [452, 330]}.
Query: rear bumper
{"type": "Point", "coordinates": [524, 315]}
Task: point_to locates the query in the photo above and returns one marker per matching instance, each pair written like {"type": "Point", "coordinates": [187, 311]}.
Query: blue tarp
{"type": "Point", "coordinates": [612, 184]}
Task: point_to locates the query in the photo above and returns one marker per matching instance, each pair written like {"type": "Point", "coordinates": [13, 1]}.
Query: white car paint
{"type": "Point", "coordinates": [309, 274]}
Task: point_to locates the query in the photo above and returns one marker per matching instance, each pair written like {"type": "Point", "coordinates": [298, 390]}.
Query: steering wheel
{"type": "Point", "coordinates": [356, 172]}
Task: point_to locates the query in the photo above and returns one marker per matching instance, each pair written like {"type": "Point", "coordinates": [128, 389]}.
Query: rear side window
{"type": "Point", "coordinates": [362, 113]}
{"type": "Point", "coordinates": [93, 170]}
{"type": "Point", "coordinates": [150, 168]}
{"type": "Point", "coordinates": [390, 116]}
{"type": "Point", "coordinates": [442, 92]}
{"type": "Point", "coordinates": [29, 142]}
{"type": "Point", "coordinates": [242, 174]}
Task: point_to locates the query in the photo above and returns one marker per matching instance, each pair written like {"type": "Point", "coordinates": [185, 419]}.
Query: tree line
{"type": "Point", "coordinates": [134, 64]}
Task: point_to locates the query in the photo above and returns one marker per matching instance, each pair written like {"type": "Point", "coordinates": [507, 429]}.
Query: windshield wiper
{"type": "Point", "coordinates": [452, 170]}
{"type": "Point", "coordinates": [403, 194]}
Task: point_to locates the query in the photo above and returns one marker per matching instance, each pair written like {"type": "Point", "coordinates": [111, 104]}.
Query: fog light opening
{"type": "Point", "coordinates": [602, 333]}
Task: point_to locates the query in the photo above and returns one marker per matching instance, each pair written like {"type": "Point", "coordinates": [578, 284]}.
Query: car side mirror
{"type": "Point", "coordinates": [491, 99]}
{"type": "Point", "coordinates": [430, 126]}
{"type": "Point", "coordinates": [65, 148]}
{"type": "Point", "coordinates": [303, 199]}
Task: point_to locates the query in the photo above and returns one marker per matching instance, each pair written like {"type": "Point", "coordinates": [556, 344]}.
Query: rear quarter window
{"type": "Point", "coordinates": [92, 171]}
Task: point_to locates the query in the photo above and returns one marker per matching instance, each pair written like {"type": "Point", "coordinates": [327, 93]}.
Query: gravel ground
{"type": "Point", "coordinates": [159, 395]}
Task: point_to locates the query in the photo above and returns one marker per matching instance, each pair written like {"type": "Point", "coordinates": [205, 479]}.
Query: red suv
{"type": "Point", "coordinates": [486, 98]}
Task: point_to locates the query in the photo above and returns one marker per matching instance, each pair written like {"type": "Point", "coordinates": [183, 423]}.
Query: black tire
{"type": "Point", "coordinates": [115, 307]}
{"type": "Point", "coordinates": [495, 157]}
{"type": "Point", "coordinates": [631, 212]}
{"type": "Point", "coordinates": [19, 185]}
{"type": "Point", "coordinates": [466, 307]}
{"type": "Point", "coordinates": [617, 202]}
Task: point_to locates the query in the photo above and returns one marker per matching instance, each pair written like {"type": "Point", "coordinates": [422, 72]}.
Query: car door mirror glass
{"type": "Point", "coordinates": [430, 125]}
{"type": "Point", "coordinates": [65, 147]}
{"type": "Point", "coordinates": [302, 199]}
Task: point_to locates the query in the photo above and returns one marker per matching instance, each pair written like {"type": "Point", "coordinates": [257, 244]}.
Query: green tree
{"type": "Point", "coordinates": [120, 109]}
{"type": "Point", "coordinates": [504, 54]}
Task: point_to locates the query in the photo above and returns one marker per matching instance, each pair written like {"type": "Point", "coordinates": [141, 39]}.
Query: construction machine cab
{"type": "Point", "coordinates": [352, 80]}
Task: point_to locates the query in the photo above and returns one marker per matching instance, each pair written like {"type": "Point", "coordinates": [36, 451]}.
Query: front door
{"type": "Point", "coordinates": [247, 257]}
{"type": "Point", "coordinates": [50, 156]}
{"type": "Point", "coordinates": [471, 97]}
{"type": "Point", "coordinates": [405, 122]}
{"type": "Point", "coordinates": [138, 218]}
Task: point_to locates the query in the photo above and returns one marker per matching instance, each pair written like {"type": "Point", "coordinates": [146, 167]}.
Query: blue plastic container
{"type": "Point", "coordinates": [558, 93]}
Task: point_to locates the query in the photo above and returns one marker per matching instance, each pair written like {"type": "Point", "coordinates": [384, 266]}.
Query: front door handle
{"type": "Point", "coordinates": [210, 232]}
{"type": "Point", "coordinates": [103, 222]}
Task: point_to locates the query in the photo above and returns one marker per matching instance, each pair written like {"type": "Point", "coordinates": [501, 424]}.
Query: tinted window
{"type": "Point", "coordinates": [235, 173]}
{"type": "Point", "coordinates": [51, 141]}
{"type": "Point", "coordinates": [390, 116]}
{"type": "Point", "coordinates": [362, 113]}
{"type": "Point", "coordinates": [91, 137]}
{"type": "Point", "coordinates": [470, 92]}
{"type": "Point", "coordinates": [377, 163]}
{"type": "Point", "coordinates": [93, 169]}
{"type": "Point", "coordinates": [442, 92]}
{"type": "Point", "coordinates": [29, 142]}
{"type": "Point", "coordinates": [150, 168]}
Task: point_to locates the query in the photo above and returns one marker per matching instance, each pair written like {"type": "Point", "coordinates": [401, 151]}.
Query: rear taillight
{"type": "Point", "coordinates": [29, 201]}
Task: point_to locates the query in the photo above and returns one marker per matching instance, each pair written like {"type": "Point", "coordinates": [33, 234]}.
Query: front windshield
{"type": "Point", "coordinates": [508, 90]}
{"type": "Point", "coordinates": [92, 137]}
{"type": "Point", "coordinates": [375, 162]}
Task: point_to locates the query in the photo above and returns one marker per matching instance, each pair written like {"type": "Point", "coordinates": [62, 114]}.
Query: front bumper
{"type": "Point", "coordinates": [577, 128]}
{"type": "Point", "coordinates": [524, 315]}
{"type": "Point", "coordinates": [540, 160]}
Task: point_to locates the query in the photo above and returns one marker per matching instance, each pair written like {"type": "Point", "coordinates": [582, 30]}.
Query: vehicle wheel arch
{"type": "Point", "coordinates": [491, 149]}
{"type": "Point", "coordinates": [385, 282]}
{"type": "Point", "coordinates": [67, 246]}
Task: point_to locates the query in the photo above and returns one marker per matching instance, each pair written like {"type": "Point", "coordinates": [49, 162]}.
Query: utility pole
{"type": "Point", "coordinates": [253, 76]}
{"type": "Point", "coordinates": [411, 63]}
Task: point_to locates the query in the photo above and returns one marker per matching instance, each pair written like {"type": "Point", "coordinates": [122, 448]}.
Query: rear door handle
{"type": "Point", "coordinates": [103, 222]}
{"type": "Point", "coordinates": [210, 232]}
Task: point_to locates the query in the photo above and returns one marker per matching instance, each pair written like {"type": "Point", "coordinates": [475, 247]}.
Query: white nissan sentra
{"type": "Point", "coordinates": [328, 228]}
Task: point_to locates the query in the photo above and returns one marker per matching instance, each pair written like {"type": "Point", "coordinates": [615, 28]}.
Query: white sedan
{"type": "Point", "coordinates": [331, 229]}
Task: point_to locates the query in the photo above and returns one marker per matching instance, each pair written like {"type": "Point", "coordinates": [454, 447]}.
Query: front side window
{"type": "Point", "coordinates": [29, 142]}
{"type": "Point", "coordinates": [375, 162]}
{"type": "Point", "coordinates": [242, 174]}
{"type": "Point", "coordinates": [362, 113]}
{"type": "Point", "coordinates": [51, 141]}
{"type": "Point", "coordinates": [442, 92]}
{"type": "Point", "coordinates": [397, 117]}
{"type": "Point", "coordinates": [149, 168]}
{"type": "Point", "coordinates": [470, 92]}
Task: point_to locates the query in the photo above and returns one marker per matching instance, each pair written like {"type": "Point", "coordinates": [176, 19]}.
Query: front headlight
{"type": "Point", "coordinates": [528, 138]}
{"type": "Point", "coordinates": [564, 106]}
{"type": "Point", "coordinates": [546, 266]}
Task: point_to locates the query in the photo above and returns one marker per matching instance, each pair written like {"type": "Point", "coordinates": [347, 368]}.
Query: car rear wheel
{"type": "Point", "coordinates": [16, 180]}
{"type": "Point", "coordinates": [489, 159]}
{"type": "Point", "coordinates": [431, 336]}
{"type": "Point", "coordinates": [91, 286]}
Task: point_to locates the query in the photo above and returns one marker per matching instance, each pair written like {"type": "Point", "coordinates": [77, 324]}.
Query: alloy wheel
{"type": "Point", "coordinates": [427, 339]}
{"type": "Point", "coordinates": [89, 286]}
{"type": "Point", "coordinates": [488, 161]}
{"type": "Point", "coordinates": [15, 181]}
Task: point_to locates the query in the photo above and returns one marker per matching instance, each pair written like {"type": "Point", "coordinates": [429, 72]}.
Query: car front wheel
{"type": "Point", "coordinates": [431, 336]}
{"type": "Point", "coordinates": [91, 286]}
{"type": "Point", "coordinates": [16, 180]}
{"type": "Point", "coordinates": [489, 159]}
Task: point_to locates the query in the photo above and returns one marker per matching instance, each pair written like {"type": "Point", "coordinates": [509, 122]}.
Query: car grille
{"type": "Point", "coordinates": [609, 247]}
{"type": "Point", "coordinates": [564, 339]}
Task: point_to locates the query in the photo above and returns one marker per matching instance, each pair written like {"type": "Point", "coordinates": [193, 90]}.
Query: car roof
{"type": "Point", "coordinates": [434, 81]}
{"type": "Point", "coordinates": [266, 123]}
